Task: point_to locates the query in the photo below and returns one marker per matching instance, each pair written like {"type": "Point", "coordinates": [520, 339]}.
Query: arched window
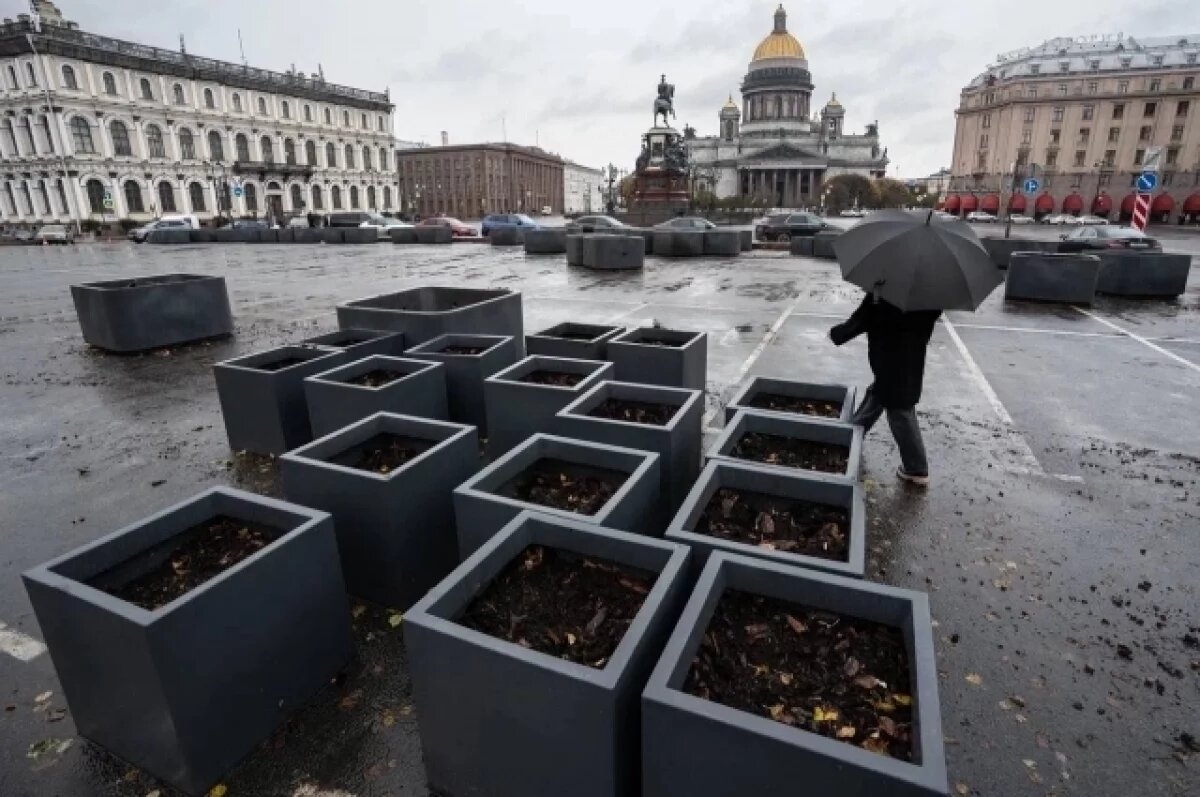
{"type": "Point", "coordinates": [328, 117]}
{"type": "Point", "coordinates": [81, 136]}
{"type": "Point", "coordinates": [318, 200]}
{"type": "Point", "coordinates": [364, 124]}
{"type": "Point", "coordinates": [209, 100]}
{"type": "Point", "coordinates": [354, 197]}
{"type": "Point", "coordinates": [308, 113]}
{"type": "Point", "coordinates": [10, 137]}
{"type": "Point", "coordinates": [166, 197]}
{"type": "Point", "coordinates": [383, 159]}
{"type": "Point", "coordinates": [371, 197]}
{"type": "Point", "coordinates": [310, 152]}
{"type": "Point", "coordinates": [154, 141]}
{"type": "Point", "coordinates": [69, 79]}
{"type": "Point", "coordinates": [330, 156]}
{"type": "Point", "coordinates": [289, 151]}
{"type": "Point", "coordinates": [110, 83]}
{"type": "Point", "coordinates": [242, 144]}
{"type": "Point", "coordinates": [297, 197]}
{"type": "Point", "coordinates": [120, 138]}
{"type": "Point", "coordinates": [285, 109]}
{"type": "Point", "coordinates": [133, 197]}
{"type": "Point", "coordinates": [216, 148]}
{"type": "Point", "coordinates": [237, 103]}
{"type": "Point", "coordinates": [44, 198]}
{"type": "Point", "coordinates": [28, 199]}
{"type": "Point", "coordinates": [366, 157]}
{"type": "Point", "coordinates": [147, 91]}
{"type": "Point", "coordinates": [95, 195]}
{"type": "Point", "coordinates": [44, 124]}
{"type": "Point", "coordinates": [335, 195]}
{"type": "Point", "coordinates": [31, 74]}
{"type": "Point", "coordinates": [27, 129]}
{"type": "Point", "coordinates": [250, 191]}
{"type": "Point", "coordinates": [268, 152]}
{"type": "Point", "coordinates": [177, 92]}
{"type": "Point", "coordinates": [387, 198]}
{"type": "Point", "coordinates": [349, 157]}
{"type": "Point", "coordinates": [262, 106]}
{"type": "Point", "coordinates": [12, 78]}
{"type": "Point", "coordinates": [196, 194]}
{"type": "Point", "coordinates": [345, 118]}
{"type": "Point", "coordinates": [187, 145]}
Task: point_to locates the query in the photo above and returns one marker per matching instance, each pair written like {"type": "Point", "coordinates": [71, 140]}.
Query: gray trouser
{"type": "Point", "coordinates": [905, 429]}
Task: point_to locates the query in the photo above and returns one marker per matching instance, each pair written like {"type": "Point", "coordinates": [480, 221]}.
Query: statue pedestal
{"type": "Point", "coordinates": [660, 185]}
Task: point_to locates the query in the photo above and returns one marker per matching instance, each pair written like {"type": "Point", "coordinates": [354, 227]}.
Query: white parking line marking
{"type": "Point", "coordinates": [619, 316]}
{"type": "Point", "coordinates": [1066, 332]}
{"type": "Point", "coordinates": [18, 645]}
{"type": "Point", "coordinates": [1141, 340]}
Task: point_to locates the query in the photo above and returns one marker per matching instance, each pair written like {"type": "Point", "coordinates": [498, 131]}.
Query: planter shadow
{"type": "Point", "coordinates": [576, 341]}
{"type": "Point", "coordinates": [682, 363]}
{"type": "Point", "coordinates": [805, 391]}
{"type": "Point", "coordinates": [498, 719]}
{"type": "Point", "coordinates": [426, 313]}
{"type": "Point", "coordinates": [359, 343]}
{"type": "Point", "coordinates": [698, 748]}
{"type": "Point", "coordinates": [776, 484]}
{"type": "Point", "coordinates": [466, 372]}
{"type": "Point", "coordinates": [792, 427]}
{"type": "Point", "coordinates": [486, 502]}
{"type": "Point", "coordinates": [395, 530]}
{"type": "Point", "coordinates": [186, 690]}
{"type": "Point", "coordinates": [142, 313]}
{"type": "Point", "coordinates": [335, 401]}
{"type": "Point", "coordinates": [1047, 277]}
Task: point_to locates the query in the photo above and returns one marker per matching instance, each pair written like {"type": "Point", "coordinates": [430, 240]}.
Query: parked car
{"type": "Point", "coordinates": [593, 223]}
{"type": "Point", "coordinates": [381, 225]}
{"type": "Point", "coordinates": [138, 234]}
{"type": "Point", "coordinates": [457, 228]}
{"type": "Point", "coordinates": [1109, 236]}
{"type": "Point", "coordinates": [853, 213]}
{"type": "Point", "coordinates": [507, 220]}
{"type": "Point", "coordinates": [942, 215]}
{"type": "Point", "coordinates": [980, 217]}
{"type": "Point", "coordinates": [1020, 218]}
{"type": "Point", "coordinates": [349, 219]}
{"type": "Point", "coordinates": [547, 210]}
{"type": "Point", "coordinates": [686, 223]}
{"type": "Point", "coordinates": [1061, 220]}
{"type": "Point", "coordinates": [247, 224]}
{"type": "Point", "coordinates": [792, 225]}
{"type": "Point", "coordinates": [54, 234]}
{"type": "Point", "coordinates": [1093, 220]}
{"type": "Point", "coordinates": [762, 225]}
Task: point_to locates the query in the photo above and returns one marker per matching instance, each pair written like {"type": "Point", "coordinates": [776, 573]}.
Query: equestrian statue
{"type": "Point", "coordinates": [665, 102]}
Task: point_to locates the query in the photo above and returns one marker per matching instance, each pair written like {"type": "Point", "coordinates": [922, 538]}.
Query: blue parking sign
{"type": "Point", "coordinates": [1032, 185]}
{"type": "Point", "coordinates": [237, 191]}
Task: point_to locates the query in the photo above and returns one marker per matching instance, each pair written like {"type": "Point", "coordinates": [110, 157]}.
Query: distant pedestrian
{"type": "Point", "coordinates": [896, 344]}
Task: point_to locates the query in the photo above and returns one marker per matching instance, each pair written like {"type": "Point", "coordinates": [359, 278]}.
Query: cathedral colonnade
{"type": "Point", "coordinates": [785, 187]}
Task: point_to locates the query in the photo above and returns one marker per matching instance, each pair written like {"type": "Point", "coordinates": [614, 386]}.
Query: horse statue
{"type": "Point", "coordinates": [665, 102]}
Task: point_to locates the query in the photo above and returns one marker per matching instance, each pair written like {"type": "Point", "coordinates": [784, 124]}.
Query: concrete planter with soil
{"type": "Point", "coordinates": [1150, 274]}
{"type": "Point", "coordinates": [426, 313]}
{"type": "Point", "coordinates": [725, 491]}
{"type": "Point", "coordinates": [793, 399]}
{"type": "Point", "coordinates": [612, 252]}
{"type": "Point", "coordinates": [727, 243]}
{"type": "Point", "coordinates": [539, 725]}
{"type": "Point", "coordinates": [1045, 277]}
{"type": "Point", "coordinates": [262, 396]}
{"type": "Point", "coordinates": [359, 343]}
{"type": "Point", "coordinates": [576, 341]}
{"type": "Point", "coordinates": [388, 483]}
{"type": "Point", "coordinates": [523, 399]}
{"type": "Point", "coordinates": [142, 313]}
{"type": "Point", "coordinates": [467, 361]}
{"type": "Point", "coordinates": [829, 449]}
{"type": "Point", "coordinates": [656, 356]}
{"type": "Point", "coordinates": [721, 740]}
{"type": "Point", "coordinates": [347, 394]}
{"type": "Point", "coordinates": [624, 487]}
{"type": "Point", "coordinates": [184, 677]}
{"type": "Point", "coordinates": [430, 234]}
{"type": "Point", "coordinates": [552, 241]}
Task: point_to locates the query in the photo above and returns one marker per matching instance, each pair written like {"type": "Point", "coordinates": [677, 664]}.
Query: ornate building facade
{"type": "Point", "coordinates": [97, 129]}
{"type": "Point", "coordinates": [773, 146]}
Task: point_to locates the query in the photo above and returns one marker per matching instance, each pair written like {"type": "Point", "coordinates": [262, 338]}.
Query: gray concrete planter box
{"type": "Point", "coordinates": [1153, 274]}
{"type": "Point", "coordinates": [614, 252]}
{"type": "Point", "coordinates": [577, 341]}
{"type": "Point", "coordinates": [334, 403]}
{"type": "Point", "coordinates": [403, 235]}
{"type": "Point", "coordinates": [359, 343]}
{"type": "Point", "coordinates": [684, 365]}
{"type": "Point", "coordinates": [787, 387]}
{"type": "Point", "coordinates": [1001, 249]}
{"type": "Point", "coordinates": [697, 748]}
{"type": "Point", "coordinates": [776, 483]}
{"type": "Point", "coordinates": [506, 236]}
{"type": "Point", "coordinates": [359, 235]}
{"type": "Point", "coordinates": [236, 235]}
{"type": "Point", "coordinates": [516, 409]}
{"type": "Point", "coordinates": [482, 507]}
{"type": "Point", "coordinates": [546, 242]}
{"type": "Point", "coordinates": [285, 235]}
{"type": "Point", "coordinates": [395, 531]}
{"type": "Point", "coordinates": [746, 238]}
{"type": "Point", "coordinates": [175, 235]}
{"type": "Point", "coordinates": [434, 235]}
{"type": "Point", "coordinates": [266, 411]}
{"type": "Point", "coordinates": [823, 245]}
{"type": "Point", "coordinates": [187, 690]}
{"type": "Point", "coordinates": [727, 243]}
{"type": "Point", "coordinates": [465, 373]}
{"type": "Point", "coordinates": [202, 235]}
{"type": "Point", "coordinates": [1048, 277]}
{"type": "Point", "coordinates": [307, 235]}
{"type": "Point", "coordinates": [671, 243]}
{"type": "Point", "coordinates": [801, 246]}
{"type": "Point", "coordinates": [647, 234]}
{"type": "Point", "coordinates": [142, 313]}
{"type": "Point", "coordinates": [332, 235]}
{"type": "Point", "coordinates": [818, 431]}
{"type": "Point", "coordinates": [426, 313]}
{"type": "Point", "coordinates": [264, 235]}
{"type": "Point", "coordinates": [539, 726]}
{"type": "Point", "coordinates": [677, 443]}
{"type": "Point", "coordinates": [574, 250]}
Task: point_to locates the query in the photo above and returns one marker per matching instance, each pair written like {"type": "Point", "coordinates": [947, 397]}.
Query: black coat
{"type": "Point", "coordinates": [896, 343]}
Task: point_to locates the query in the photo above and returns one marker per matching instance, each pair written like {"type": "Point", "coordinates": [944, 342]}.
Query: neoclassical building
{"type": "Point", "coordinates": [774, 146]}
{"type": "Point", "coordinates": [97, 129]}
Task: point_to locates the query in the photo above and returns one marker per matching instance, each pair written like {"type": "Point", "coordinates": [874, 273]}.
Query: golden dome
{"type": "Point", "coordinates": [729, 104]}
{"type": "Point", "coordinates": [833, 103]}
{"type": "Point", "coordinates": [780, 43]}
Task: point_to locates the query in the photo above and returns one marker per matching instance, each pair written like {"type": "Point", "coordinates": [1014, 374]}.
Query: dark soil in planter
{"type": "Point", "coordinates": [575, 608]}
{"type": "Point", "coordinates": [187, 560]}
{"type": "Point", "coordinates": [652, 341]}
{"type": "Point", "coordinates": [792, 452]}
{"type": "Point", "coordinates": [279, 365]}
{"type": "Point", "coordinates": [800, 406]}
{"type": "Point", "coordinates": [555, 378]}
{"type": "Point", "coordinates": [377, 378]}
{"type": "Point", "coordinates": [564, 485]}
{"type": "Point", "coordinates": [573, 335]}
{"type": "Point", "coordinates": [841, 677]}
{"type": "Point", "coordinates": [346, 343]}
{"type": "Point", "coordinates": [635, 412]}
{"type": "Point", "coordinates": [779, 524]}
{"type": "Point", "coordinates": [383, 453]}
{"type": "Point", "coordinates": [467, 350]}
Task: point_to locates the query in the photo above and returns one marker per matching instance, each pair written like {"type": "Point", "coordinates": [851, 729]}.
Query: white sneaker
{"type": "Point", "coordinates": [912, 478]}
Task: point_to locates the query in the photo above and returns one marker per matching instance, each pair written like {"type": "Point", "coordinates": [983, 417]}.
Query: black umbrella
{"type": "Point", "coordinates": [917, 262]}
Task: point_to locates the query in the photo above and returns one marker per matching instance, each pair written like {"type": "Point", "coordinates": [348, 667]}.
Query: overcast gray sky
{"type": "Point", "coordinates": [579, 78]}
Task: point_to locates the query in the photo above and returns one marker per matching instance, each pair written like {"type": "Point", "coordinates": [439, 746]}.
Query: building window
{"type": "Point", "coordinates": [1094, 64]}
{"type": "Point", "coordinates": [1182, 108]}
{"type": "Point", "coordinates": [1156, 84]}
{"type": "Point", "coordinates": [371, 197]}
{"type": "Point", "coordinates": [268, 152]}
{"type": "Point", "coordinates": [1079, 156]}
{"type": "Point", "coordinates": [1119, 111]}
{"type": "Point", "coordinates": [1089, 111]}
{"type": "Point", "coordinates": [177, 91]}
{"type": "Point", "coordinates": [1085, 134]}
{"type": "Point", "coordinates": [95, 194]}
{"type": "Point", "coordinates": [987, 120]}
{"type": "Point", "coordinates": [297, 197]}
{"type": "Point", "coordinates": [379, 125]}
{"type": "Point", "coordinates": [983, 141]}
{"type": "Point", "coordinates": [285, 109]}
{"type": "Point", "coordinates": [32, 82]}
{"type": "Point", "coordinates": [330, 156]}
{"type": "Point", "coordinates": [383, 159]}
{"type": "Point", "coordinates": [110, 83]}
{"type": "Point", "coordinates": [328, 117]}
{"type": "Point", "coordinates": [1077, 180]}
{"type": "Point", "coordinates": [187, 145]}
{"type": "Point", "coordinates": [335, 195]}
{"type": "Point", "coordinates": [387, 198]}
{"type": "Point", "coordinates": [1051, 158]}
{"type": "Point", "coordinates": [69, 79]}
{"type": "Point", "coordinates": [44, 123]}
{"type": "Point", "coordinates": [61, 190]}
{"type": "Point", "coordinates": [44, 198]}
{"type": "Point", "coordinates": [354, 197]}
{"type": "Point", "coordinates": [308, 113]}
{"type": "Point", "coordinates": [350, 161]}
{"type": "Point", "coordinates": [27, 129]}
{"type": "Point", "coordinates": [1105, 178]}
{"type": "Point", "coordinates": [166, 197]}
{"type": "Point", "coordinates": [981, 161]}
{"type": "Point", "coordinates": [1062, 89]}
{"type": "Point", "coordinates": [1035, 69]}
{"type": "Point", "coordinates": [310, 152]}
{"type": "Point", "coordinates": [1126, 61]}
{"type": "Point", "coordinates": [1057, 114]}
{"type": "Point", "coordinates": [1167, 179]}
{"type": "Point", "coordinates": [237, 103]}
{"type": "Point", "coordinates": [146, 89]}
{"type": "Point", "coordinates": [1177, 133]}
{"type": "Point", "coordinates": [1114, 135]}
{"type": "Point", "coordinates": [1172, 156]}
{"type": "Point", "coordinates": [289, 152]}
{"type": "Point", "coordinates": [133, 197]}
{"type": "Point", "coordinates": [1149, 110]}
{"type": "Point", "coordinates": [242, 145]}
{"type": "Point", "coordinates": [364, 125]}
{"type": "Point", "coordinates": [250, 192]}
{"type": "Point", "coordinates": [318, 199]}
{"type": "Point", "coordinates": [1110, 157]}
{"type": "Point", "coordinates": [1064, 66]}
{"type": "Point", "coordinates": [154, 142]}
{"type": "Point", "coordinates": [209, 100]}
{"type": "Point", "coordinates": [12, 78]}
{"type": "Point", "coordinates": [1030, 115]}
{"type": "Point", "coordinates": [262, 106]}
{"type": "Point", "coordinates": [10, 136]}
{"type": "Point", "coordinates": [196, 195]}
{"type": "Point", "coordinates": [345, 118]}
{"type": "Point", "coordinates": [1026, 137]}
{"type": "Point", "coordinates": [81, 136]}
{"type": "Point", "coordinates": [1138, 157]}
{"type": "Point", "coordinates": [1190, 82]}
{"type": "Point", "coordinates": [367, 158]}
{"type": "Point", "coordinates": [1123, 87]}
{"type": "Point", "coordinates": [1055, 137]}
{"type": "Point", "coordinates": [1032, 93]}
{"type": "Point", "coordinates": [216, 149]}
{"type": "Point", "coordinates": [1144, 133]}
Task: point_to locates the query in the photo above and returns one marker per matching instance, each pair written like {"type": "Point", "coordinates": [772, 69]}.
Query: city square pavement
{"type": "Point", "coordinates": [1058, 542]}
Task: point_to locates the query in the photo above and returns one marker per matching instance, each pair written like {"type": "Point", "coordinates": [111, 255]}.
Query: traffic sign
{"type": "Point", "coordinates": [1151, 159]}
{"type": "Point", "coordinates": [1032, 185]}
{"type": "Point", "coordinates": [237, 191]}
{"type": "Point", "coordinates": [1147, 182]}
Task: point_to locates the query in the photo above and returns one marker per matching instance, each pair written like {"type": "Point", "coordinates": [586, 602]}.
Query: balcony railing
{"type": "Point", "coordinates": [272, 167]}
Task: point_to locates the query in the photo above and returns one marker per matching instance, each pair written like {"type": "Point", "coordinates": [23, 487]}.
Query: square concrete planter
{"type": "Point", "coordinates": [823, 245]}
{"type": "Point", "coordinates": [186, 690]}
{"type": "Point", "coordinates": [285, 235]}
{"type": "Point", "coordinates": [722, 242]}
{"type": "Point", "coordinates": [577, 341]}
{"type": "Point", "coordinates": [465, 372]}
{"type": "Point", "coordinates": [403, 235]}
{"type": "Point", "coordinates": [746, 239]}
{"type": "Point", "coordinates": [817, 431]}
{"type": "Point", "coordinates": [426, 313]}
{"type": "Point", "coordinates": [693, 747]}
{"type": "Point", "coordinates": [142, 313]}
{"type": "Point", "coordinates": [334, 401]}
{"type": "Point", "coordinates": [308, 235]}
{"type": "Point", "coordinates": [677, 443]}
{"type": "Point", "coordinates": [360, 235]}
{"type": "Point", "coordinates": [1045, 277]}
{"type": "Point", "coordinates": [485, 503]}
{"type": "Point", "coordinates": [169, 236]}
{"type": "Point", "coordinates": [434, 235]}
{"type": "Point", "coordinates": [265, 408]}
{"type": "Point", "coordinates": [614, 252]}
{"type": "Point", "coordinates": [1152, 274]}
{"type": "Point", "coordinates": [359, 343]}
{"type": "Point", "coordinates": [776, 484]}
{"type": "Point", "coordinates": [237, 235]}
{"type": "Point", "coordinates": [517, 409]}
{"type": "Point", "coordinates": [675, 243]}
{"type": "Point", "coordinates": [395, 530]}
{"type": "Point", "coordinates": [759, 386]}
{"type": "Point", "coordinates": [574, 249]}
{"type": "Point", "coordinates": [801, 246]}
{"type": "Point", "coordinates": [549, 241]}
{"type": "Point", "coordinates": [501, 720]}
{"type": "Point", "coordinates": [638, 358]}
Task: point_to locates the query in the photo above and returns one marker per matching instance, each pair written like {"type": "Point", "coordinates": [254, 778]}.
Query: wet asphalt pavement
{"type": "Point", "coordinates": [1058, 542]}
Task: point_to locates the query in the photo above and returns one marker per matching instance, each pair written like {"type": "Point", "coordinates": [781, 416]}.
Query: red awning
{"type": "Point", "coordinates": [1191, 205]}
{"type": "Point", "coordinates": [1127, 204]}
{"type": "Point", "coordinates": [1102, 205]}
{"type": "Point", "coordinates": [1073, 204]}
{"type": "Point", "coordinates": [1016, 203]}
{"type": "Point", "coordinates": [970, 203]}
{"type": "Point", "coordinates": [1163, 203]}
{"type": "Point", "coordinates": [990, 204]}
{"type": "Point", "coordinates": [1044, 204]}
{"type": "Point", "coordinates": [952, 203]}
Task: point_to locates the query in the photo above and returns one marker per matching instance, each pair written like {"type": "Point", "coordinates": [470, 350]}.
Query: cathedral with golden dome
{"type": "Point", "coordinates": [773, 146]}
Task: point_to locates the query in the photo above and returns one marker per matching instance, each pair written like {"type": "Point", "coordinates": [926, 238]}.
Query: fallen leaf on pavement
{"type": "Point", "coordinates": [394, 620]}
{"type": "Point", "coordinates": [975, 679]}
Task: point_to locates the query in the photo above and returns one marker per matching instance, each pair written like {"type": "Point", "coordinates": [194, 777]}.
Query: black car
{"type": "Point", "coordinates": [794, 225]}
{"type": "Point", "coordinates": [1083, 239]}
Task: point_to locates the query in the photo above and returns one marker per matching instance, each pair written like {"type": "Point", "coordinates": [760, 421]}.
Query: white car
{"type": "Point", "coordinates": [382, 224]}
{"type": "Point", "coordinates": [853, 213]}
{"type": "Point", "coordinates": [182, 222]}
{"type": "Point", "coordinates": [981, 216]}
{"type": "Point", "coordinates": [1059, 219]}
{"type": "Point", "coordinates": [1020, 218]}
{"type": "Point", "coordinates": [1092, 221]}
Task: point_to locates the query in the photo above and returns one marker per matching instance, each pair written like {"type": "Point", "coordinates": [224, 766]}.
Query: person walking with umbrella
{"type": "Point", "coordinates": [912, 269]}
